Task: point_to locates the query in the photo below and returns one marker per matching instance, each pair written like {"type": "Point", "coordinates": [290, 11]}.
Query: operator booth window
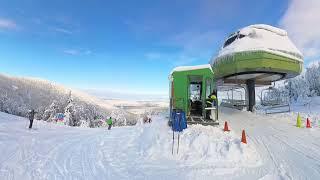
{"type": "Point", "coordinates": [208, 88]}
{"type": "Point", "coordinates": [195, 92]}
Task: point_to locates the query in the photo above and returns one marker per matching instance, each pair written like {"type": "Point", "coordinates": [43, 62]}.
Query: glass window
{"type": "Point", "coordinates": [195, 92]}
{"type": "Point", "coordinates": [208, 88]}
{"type": "Point", "coordinates": [241, 36]}
{"type": "Point", "coordinates": [229, 41]}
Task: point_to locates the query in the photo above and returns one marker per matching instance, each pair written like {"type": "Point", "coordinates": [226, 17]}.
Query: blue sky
{"type": "Point", "coordinates": [127, 45]}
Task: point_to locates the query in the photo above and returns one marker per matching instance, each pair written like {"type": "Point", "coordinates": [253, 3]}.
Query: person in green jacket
{"type": "Point", "coordinates": [109, 122]}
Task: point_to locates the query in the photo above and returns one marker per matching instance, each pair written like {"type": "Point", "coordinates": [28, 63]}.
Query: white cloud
{"type": "Point", "coordinates": [76, 52]}
{"type": "Point", "coordinates": [62, 30]}
{"type": "Point", "coordinates": [176, 59]}
{"type": "Point", "coordinates": [7, 24]}
{"type": "Point", "coordinates": [153, 55]}
{"type": "Point", "coordinates": [71, 52]}
{"type": "Point", "coordinates": [87, 52]}
{"type": "Point", "coordinates": [302, 21]}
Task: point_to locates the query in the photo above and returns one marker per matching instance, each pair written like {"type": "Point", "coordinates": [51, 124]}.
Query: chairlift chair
{"type": "Point", "coordinates": [233, 101]}
{"type": "Point", "coordinates": [274, 101]}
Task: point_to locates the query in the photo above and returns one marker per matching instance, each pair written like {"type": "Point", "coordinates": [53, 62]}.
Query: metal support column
{"type": "Point", "coordinates": [251, 94]}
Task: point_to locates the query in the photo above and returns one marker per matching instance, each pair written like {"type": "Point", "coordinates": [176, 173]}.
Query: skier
{"type": "Point", "coordinates": [31, 117]}
{"type": "Point", "coordinates": [145, 119]}
{"type": "Point", "coordinates": [109, 122]}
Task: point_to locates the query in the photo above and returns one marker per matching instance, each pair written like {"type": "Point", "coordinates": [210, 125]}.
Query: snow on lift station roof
{"type": "Point", "coordinates": [189, 68]}
{"type": "Point", "coordinates": [261, 37]}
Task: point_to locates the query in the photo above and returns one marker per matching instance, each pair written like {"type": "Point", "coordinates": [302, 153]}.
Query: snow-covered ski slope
{"type": "Point", "coordinates": [287, 152]}
{"type": "Point", "coordinates": [276, 150]}
{"type": "Point", "coordinates": [20, 94]}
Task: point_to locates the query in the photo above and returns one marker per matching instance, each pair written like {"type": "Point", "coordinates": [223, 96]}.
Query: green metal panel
{"type": "Point", "coordinates": [181, 86]}
{"type": "Point", "coordinates": [256, 61]}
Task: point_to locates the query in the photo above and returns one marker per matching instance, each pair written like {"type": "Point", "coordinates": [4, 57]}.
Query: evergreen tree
{"type": "Point", "coordinates": [69, 112]}
{"type": "Point", "coordinates": [50, 113]}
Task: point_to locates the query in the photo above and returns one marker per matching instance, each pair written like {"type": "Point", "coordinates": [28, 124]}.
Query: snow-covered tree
{"type": "Point", "coordinates": [312, 77]}
{"type": "Point", "coordinates": [297, 88]}
{"type": "Point", "coordinates": [303, 86]}
{"type": "Point", "coordinates": [69, 112]}
{"type": "Point", "coordinates": [50, 113]}
{"type": "Point", "coordinates": [18, 95]}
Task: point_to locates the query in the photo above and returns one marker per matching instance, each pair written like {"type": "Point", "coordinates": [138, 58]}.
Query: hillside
{"type": "Point", "coordinates": [19, 95]}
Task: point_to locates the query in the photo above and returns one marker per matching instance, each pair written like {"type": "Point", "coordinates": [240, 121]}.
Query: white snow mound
{"type": "Point", "coordinates": [198, 145]}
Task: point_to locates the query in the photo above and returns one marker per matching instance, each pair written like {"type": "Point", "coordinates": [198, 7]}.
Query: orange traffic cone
{"type": "Point", "coordinates": [308, 123]}
{"type": "Point", "coordinates": [226, 128]}
{"type": "Point", "coordinates": [244, 139]}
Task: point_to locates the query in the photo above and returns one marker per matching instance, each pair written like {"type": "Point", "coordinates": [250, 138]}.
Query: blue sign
{"type": "Point", "coordinates": [179, 121]}
{"type": "Point", "coordinates": [60, 116]}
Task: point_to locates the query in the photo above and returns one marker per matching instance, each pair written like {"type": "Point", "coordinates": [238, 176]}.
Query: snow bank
{"type": "Point", "coordinates": [199, 145]}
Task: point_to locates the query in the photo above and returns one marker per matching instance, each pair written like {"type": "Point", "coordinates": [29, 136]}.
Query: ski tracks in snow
{"type": "Point", "coordinates": [287, 152]}
{"type": "Point", "coordinates": [72, 154]}
{"type": "Point", "coordinates": [54, 152]}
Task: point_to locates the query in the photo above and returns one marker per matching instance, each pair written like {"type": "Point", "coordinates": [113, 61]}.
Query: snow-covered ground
{"type": "Point", "coordinates": [287, 152]}
{"type": "Point", "coordinates": [276, 150]}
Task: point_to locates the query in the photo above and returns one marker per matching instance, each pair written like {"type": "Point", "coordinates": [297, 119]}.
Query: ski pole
{"type": "Point", "coordinates": [172, 141]}
{"type": "Point", "coordinates": [180, 129]}
{"type": "Point", "coordinates": [178, 143]}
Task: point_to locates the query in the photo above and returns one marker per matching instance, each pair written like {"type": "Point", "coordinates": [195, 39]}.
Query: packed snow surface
{"type": "Point", "coordinates": [276, 149]}
{"type": "Point", "coordinates": [262, 37]}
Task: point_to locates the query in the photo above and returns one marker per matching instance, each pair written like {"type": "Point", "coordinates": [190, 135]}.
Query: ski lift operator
{"type": "Point", "coordinates": [211, 101]}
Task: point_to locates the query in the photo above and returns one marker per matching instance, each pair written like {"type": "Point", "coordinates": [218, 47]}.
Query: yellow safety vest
{"type": "Point", "coordinates": [211, 99]}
